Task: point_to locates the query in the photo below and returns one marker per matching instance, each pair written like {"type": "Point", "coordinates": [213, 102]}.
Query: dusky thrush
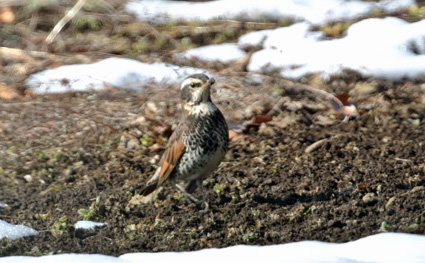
{"type": "Point", "coordinates": [197, 145]}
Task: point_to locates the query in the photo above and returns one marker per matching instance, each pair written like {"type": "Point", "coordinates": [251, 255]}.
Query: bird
{"type": "Point", "coordinates": [197, 145]}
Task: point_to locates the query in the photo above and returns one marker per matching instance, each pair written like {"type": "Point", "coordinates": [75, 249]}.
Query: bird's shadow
{"type": "Point", "coordinates": [292, 198]}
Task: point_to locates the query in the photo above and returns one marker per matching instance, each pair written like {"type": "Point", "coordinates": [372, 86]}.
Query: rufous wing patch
{"type": "Point", "coordinates": [172, 155]}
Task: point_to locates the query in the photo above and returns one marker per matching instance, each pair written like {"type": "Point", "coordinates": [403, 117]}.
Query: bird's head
{"type": "Point", "coordinates": [195, 89]}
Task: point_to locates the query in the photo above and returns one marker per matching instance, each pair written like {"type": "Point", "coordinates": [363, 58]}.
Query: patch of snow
{"type": "Point", "coordinates": [64, 258]}
{"type": "Point", "coordinates": [89, 225]}
{"type": "Point", "coordinates": [380, 248]}
{"type": "Point", "coordinates": [111, 72]}
{"type": "Point", "coordinates": [397, 248]}
{"type": "Point", "coordinates": [313, 11]}
{"type": "Point", "coordinates": [389, 48]}
{"type": "Point", "coordinates": [225, 53]}
{"type": "Point", "coordinates": [3, 205]}
{"type": "Point", "coordinates": [15, 231]}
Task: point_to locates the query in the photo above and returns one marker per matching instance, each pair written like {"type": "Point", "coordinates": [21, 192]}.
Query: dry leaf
{"type": "Point", "coordinates": [261, 119]}
{"type": "Point", "coordinates": [6, 14]}
{"type": "Point", "coordinates": [8, 93]}
{"type": "Point", "coordinates": [234, 136]}
{"type": "Point", "coordinates": [362, 186]}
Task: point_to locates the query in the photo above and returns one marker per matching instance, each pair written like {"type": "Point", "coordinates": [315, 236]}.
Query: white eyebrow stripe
{"type": "Point", "coordinates": [190, 80]}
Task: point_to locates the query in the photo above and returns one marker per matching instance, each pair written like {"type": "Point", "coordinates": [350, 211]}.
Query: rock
{"type": "Point", "coordinates": [140, 199]}
{"type": "Point", "coordinates": [258, 160]}
{"type": "Point", "coordinates": [369, 198]}
{"type": "Point", "coordinates": [266, 130]}
{"type": "Point", "coordinates": [133, 143]}
{"type": "Point", "coordinates": [416, 189]}
{"type": "Point", "coordinates": [364, 88]}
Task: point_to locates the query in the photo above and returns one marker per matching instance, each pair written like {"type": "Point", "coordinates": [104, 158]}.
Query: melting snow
{"type": "Point", "coordinates": [89, 225]}
{"type": "Point", "coordinates": [15, 231]}
{"type": "Point", "coordinates": [381, 248]}
{"type": "Point", "coordinates": [112, 72]}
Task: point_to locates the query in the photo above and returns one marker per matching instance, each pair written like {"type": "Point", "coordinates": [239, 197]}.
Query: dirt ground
{"type": "Point", "coordinates": [296, 169]}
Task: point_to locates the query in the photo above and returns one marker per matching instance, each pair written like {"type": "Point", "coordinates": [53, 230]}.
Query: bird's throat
{"type": "Point", "coordinates": [201, 109]}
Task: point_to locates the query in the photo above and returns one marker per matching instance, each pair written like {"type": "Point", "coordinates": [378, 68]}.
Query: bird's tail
{"type": "Point", "coordinates": [152, 184]}
{"type": "Point", "coordinates": [149, 188]}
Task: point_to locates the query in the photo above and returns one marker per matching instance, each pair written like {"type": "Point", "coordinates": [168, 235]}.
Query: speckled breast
{"type": "Point", "coordinates": [206, 143]}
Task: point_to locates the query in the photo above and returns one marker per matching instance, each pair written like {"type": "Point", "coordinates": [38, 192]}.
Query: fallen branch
{"type": "Point", "coordinates": [15, 53]}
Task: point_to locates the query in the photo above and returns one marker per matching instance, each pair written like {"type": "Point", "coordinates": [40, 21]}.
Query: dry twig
{"type": "Point", "coordinates": [69, 15]}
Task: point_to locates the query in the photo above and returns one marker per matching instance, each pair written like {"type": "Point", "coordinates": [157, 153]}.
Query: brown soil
{"type": "Point", "coordinates": [305, 175]}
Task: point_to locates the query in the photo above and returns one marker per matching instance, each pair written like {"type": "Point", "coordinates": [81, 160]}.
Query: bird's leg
{"type": "Point", "coordinates": [191, 186]}
{"type": "Point", "coordinates": [199, 184]}
{"type": "Point", "coordinates": [185, 193]}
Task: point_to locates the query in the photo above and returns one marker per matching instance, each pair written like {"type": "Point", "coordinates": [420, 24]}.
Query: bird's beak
{"type": "Point", "coordinates": [210, 82]}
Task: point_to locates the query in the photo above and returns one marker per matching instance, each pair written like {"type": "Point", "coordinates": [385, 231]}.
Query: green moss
{"type": "Point", "coordinates": [285, 22]}
{"type": "Point", "coordinates": [87, 22]}
{"type": "Point", "coordinates": [414, 12]}
{"type": "Point", "coordinates": [229, 33]}
{"type": "Point", "coordinates": [142, 45]}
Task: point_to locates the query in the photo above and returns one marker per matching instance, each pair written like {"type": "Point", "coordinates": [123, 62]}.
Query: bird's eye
{"type": "Point", "coordinates": [192, 85]}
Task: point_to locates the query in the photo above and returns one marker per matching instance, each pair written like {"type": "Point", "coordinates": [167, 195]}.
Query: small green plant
{"type": "Point", "coordinates": [178, 196]}
{"type": "Point", "coordinates": [183, 243]}
{"type": "Point", "coordinates": [59, 226]}
{"type": "Point", "coordinates": [308, 211]}
{"type": "Point", "coordinates": [413, 226]}
{"type": "Point", "coordinates": [37, 252]}
{"type": "Point", "coordinates": [145, 139]}
{"type": "Point", "coordinates": [54, 252]}
{"type": "Point", "coordinates": [384, 227]}
{"type": "Point", "coordinates": [88, 214]}
{"type": "Point", "coordinates": [248, 237]}
{"type": "Point", "coordinates": [218, 188]}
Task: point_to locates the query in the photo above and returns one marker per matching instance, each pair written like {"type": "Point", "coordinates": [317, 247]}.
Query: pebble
{"type": "Point", "coordinates": [315, 145]}
{"type": "Point", "coordinates": [266, 130]}
{"type": "Point", "coordinates": [28, 178]}
{"type": "Point", "coordinates": [369, 198]}
{"type": "Point", "coordinates": [390, 202]}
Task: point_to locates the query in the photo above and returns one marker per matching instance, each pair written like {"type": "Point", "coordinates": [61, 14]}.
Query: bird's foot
{"type": "Point", "coordinates": [186, 194]}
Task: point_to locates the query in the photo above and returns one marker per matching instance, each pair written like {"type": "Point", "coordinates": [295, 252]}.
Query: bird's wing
{"type": "Point", "coordinates": [172, 154]}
